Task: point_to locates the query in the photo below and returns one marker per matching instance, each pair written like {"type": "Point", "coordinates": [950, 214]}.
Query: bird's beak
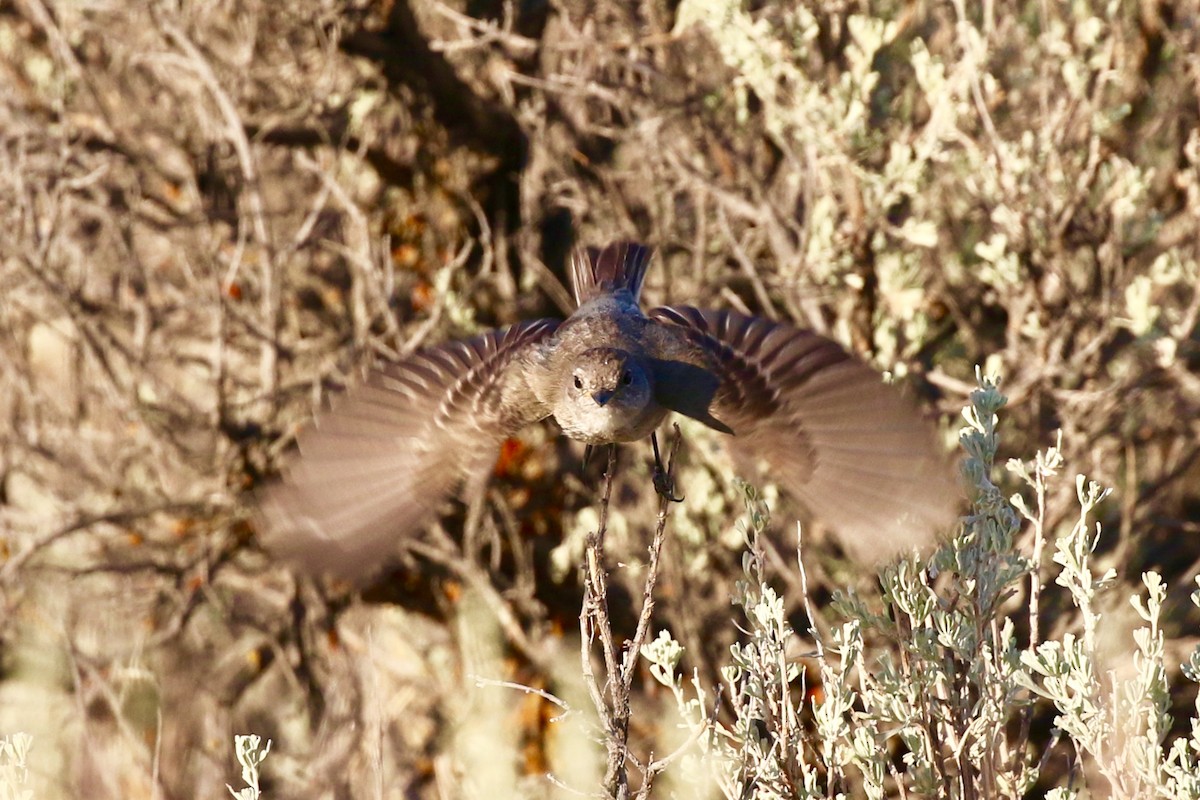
{"type": "Point", "coordinates": [602, 397]}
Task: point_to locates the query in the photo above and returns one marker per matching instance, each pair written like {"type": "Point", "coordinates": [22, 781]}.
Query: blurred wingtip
{"type": "Point", "coordinates": [877, 519]}
{"type": "Point", "coordinates": [348, 526]}
{"type": "Point", "coordinates": [867, 467]}
{"type": "Point", "coordinates": [302, 543]}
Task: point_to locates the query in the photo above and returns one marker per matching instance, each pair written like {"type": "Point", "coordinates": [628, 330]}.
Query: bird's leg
{"type": "Point", "coordinates": [663, 484]}
{"type": "Point", "coordinates": [587, 456]}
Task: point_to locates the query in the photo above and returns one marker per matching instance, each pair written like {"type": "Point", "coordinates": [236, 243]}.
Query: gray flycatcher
{"type": "Point", "coordinates": [378, 465]}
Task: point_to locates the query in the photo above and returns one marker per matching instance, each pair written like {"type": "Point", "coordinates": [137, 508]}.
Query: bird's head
{"type": "Point", "coordinates": [606, 395]}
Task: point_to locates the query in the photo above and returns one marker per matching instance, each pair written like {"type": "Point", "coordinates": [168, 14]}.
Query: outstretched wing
{"type": "Point", "coordinates": [851, 448]}
{"type": "Point", "coordinates": [380, 462]}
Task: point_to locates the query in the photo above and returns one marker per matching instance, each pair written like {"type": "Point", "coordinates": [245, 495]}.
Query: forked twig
{"type": "Point", "coordinates": [612, 701]}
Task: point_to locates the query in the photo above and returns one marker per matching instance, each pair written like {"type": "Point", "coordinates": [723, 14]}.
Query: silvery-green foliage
{"type": "Point", "coordinates": [760, 753]}
{"type": "Point", "coordinates": [14, 771]}
{"type": "Point", "coordinates": [1116, 719]}
{"type": "Point", "coordinates": [933, 670]}
{"type": "Point", "coordinates": [1182, 764]}
{"type": "Point", "coordinates": [251, 757]}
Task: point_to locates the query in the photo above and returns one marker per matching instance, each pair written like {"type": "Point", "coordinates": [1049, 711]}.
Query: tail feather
{"type": "Point", "coordinates": [621, 265]}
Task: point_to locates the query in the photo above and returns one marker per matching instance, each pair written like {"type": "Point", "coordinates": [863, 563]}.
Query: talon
{"type": "Point", "coordinates": [665, 486]}
{"type": "Point", "coordinates": [662, 481]}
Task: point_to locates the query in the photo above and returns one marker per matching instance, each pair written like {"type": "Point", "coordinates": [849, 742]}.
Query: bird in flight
{"type": "Point", "coordinates": [380, 462]}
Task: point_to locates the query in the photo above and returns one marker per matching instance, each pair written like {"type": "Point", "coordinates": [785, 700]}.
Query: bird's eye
{"type": "Point", "coordinates": [626, 377]}
{"type": "Point", "coordinates": [578, 383]}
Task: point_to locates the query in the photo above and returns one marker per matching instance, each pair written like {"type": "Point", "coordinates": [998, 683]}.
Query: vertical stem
{"type": "Point", "coordinates": [612, 702]}
{"type": "Point", "coordinates": [594, 622]}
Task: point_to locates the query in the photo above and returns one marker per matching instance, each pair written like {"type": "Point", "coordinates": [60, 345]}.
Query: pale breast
{"type": "Point", "coordinates": [608, 425]}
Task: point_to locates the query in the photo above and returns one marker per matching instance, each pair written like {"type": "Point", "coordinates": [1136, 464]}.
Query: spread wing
{"type": "Point", "coordinates": [850, 447]}
{"type": "Point", "coordinates": [379, 463]}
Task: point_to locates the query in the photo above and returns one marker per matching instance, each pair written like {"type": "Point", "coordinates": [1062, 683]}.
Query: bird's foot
{"type": "Point", "coordinates": [664, 484]}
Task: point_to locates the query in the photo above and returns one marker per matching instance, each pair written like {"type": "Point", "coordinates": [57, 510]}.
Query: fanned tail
{"type": "Point", "coordinates": [620, 265]}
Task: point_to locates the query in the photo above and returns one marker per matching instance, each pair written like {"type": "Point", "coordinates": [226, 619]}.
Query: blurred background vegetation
{"type": "Point", "coordinates": [212, 215]}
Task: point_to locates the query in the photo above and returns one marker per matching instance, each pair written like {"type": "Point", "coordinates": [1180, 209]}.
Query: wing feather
{"type": "Point", "coordinates": [382, 460]}
{"type": "Point", "coordinates": [853, 450]}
